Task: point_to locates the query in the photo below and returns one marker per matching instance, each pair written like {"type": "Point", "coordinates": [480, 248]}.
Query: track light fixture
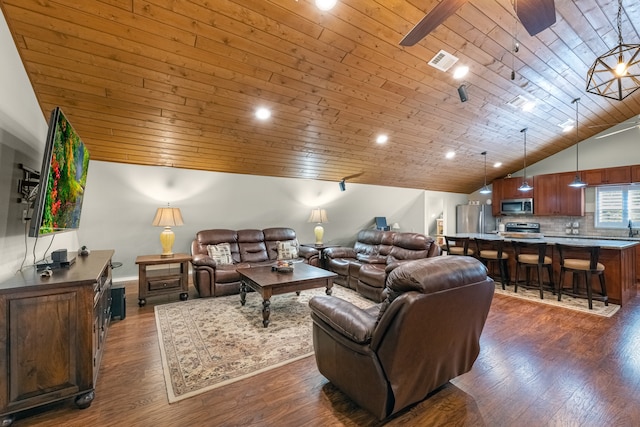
{"type": "Point", "coordinates": [485, 189]}
{"type": "Point", "coordinates": [342, 184]}
{"type": "Point", "coordinates": [462, 93]}
{"type": "Point", "coordinates": [525, 185]}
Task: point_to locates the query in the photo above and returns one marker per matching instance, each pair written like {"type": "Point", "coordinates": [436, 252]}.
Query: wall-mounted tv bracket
{"type": "Point", "coordinates": [29, 181]}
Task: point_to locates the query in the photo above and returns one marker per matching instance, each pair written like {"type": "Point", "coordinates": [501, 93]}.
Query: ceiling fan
{"type": "Point", "coordinates": [535, 16]}
{"type": "Point", "coordinates": [630, 125]}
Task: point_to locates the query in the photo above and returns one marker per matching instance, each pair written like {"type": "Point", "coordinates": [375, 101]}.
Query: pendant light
{"type": "Point", "coordinates": [577, 182]}
{"type": "Point", "coordinates": [615, 74]}
{"type": "Point", "coordinates": [485, 189]}
{"type": "Point", "coordinates": [525, 185]}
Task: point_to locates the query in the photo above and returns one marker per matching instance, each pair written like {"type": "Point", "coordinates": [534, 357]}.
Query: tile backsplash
{"type": "Point", "coordinates": [558, 225]}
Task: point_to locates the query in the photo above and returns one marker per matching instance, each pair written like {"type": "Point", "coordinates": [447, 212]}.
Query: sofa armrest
{"type": "Point", "coordinates": [200, 260]}
{"type": "Point", "coordinates": [339, 252]}
{"type": "Point", "coordinates": [344, 318]}
{"type": "Point", "coordinates": [307, 252]}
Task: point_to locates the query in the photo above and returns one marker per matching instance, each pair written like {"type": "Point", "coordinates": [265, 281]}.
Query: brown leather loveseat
{"type": "Point", "coordinates": [246, 248]}
{"type": "Point", "coordinates": [424, 334]}
{"type": "Point", "coordinates": [374, 255]}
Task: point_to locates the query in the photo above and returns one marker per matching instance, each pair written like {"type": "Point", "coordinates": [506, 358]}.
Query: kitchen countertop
{"type": "Point", "coordinates": [613, 243]}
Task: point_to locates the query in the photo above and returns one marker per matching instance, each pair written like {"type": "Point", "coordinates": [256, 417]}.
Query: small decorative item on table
{"type": "Point", "coordinates": [283, 266]}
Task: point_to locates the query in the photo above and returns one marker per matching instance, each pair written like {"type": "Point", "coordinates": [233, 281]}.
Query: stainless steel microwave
{"type": "Point", "coordinates": [516, 207]}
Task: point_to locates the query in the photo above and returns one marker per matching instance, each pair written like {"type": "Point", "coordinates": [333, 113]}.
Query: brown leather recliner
{"type": "Point", "coordinates": [424, 334]}
{"type": "Point", "coordinates": [403, 247]}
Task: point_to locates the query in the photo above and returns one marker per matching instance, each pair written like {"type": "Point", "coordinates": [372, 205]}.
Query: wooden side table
{"type": "Point", "coordinates": [172, 278]}
{"type": "Point", "coordinates": [320, 248]}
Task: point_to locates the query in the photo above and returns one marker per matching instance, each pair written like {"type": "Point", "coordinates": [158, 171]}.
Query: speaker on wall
{"type": "Point", "coordinates": [462, 92]}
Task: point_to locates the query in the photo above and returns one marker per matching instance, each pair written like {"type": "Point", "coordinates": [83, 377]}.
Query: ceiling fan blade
{"type": "Point", "coordinates": [536, 15]}
{"type": "Point", "coordinates": [617, 131]}
{"type": "Point", "coordinates": [437, 16]}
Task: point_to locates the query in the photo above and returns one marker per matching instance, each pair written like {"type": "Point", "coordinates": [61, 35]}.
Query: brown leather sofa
{"type": "Point", "coordinates": [374, 255]}
{"type": "Point", "coordinates": [424, 334]}
{"type": "Point", "coordinates": [248, 248]}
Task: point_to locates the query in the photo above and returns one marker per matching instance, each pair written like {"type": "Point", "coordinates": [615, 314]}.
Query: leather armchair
{"type": "Point", "coordinates": [425, 333]}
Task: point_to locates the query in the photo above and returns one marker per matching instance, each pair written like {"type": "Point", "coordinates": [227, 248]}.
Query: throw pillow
{"type": "Point", "coordinates": [221, 253]}
{"type": "Point", "coordinates": [287, 250]}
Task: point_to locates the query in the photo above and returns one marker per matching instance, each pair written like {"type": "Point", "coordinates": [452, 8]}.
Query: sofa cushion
{"type": "Point", "coordinates": [287, 250]}
{"type": "Point", "coordinates": [221, 253]}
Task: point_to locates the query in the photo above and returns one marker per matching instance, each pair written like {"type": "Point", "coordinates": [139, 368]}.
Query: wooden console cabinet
{"type": "Point", "coordinates": [52, 334]}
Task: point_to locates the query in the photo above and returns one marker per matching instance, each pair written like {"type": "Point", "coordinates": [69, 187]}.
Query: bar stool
{"type": "Point", "coordinates": [493, 253]}
{"type": "Point", "coordinates": [458, 245]}
{"type": "Point", "coordinates": [588, 266]}
{"type": "Point", "coordinates": [532, 256]}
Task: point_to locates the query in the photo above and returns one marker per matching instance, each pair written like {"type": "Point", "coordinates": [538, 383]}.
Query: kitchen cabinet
{"type": "Point", "coordinates": [553, 196]}
{"type": "Point", "coordinates": [496, 196]}
{"type": "Point", "coordinates": [52, 334]}
{"type": "Point", "coordinates": [507, 188]}
{"type": "Point", "coordinates": [608, 176]}
{"type": "Point", "coordinates": [635, 173]}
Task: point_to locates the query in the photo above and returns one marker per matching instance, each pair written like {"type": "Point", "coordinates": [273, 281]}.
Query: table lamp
{"type": "Point", "coordinates": [167, 217]}
{"type": "Point", "coordinates": [319, 216]}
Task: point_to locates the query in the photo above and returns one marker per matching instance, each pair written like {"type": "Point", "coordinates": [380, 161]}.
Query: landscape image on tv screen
{"type": "Point", "coordinates": [62, 186]}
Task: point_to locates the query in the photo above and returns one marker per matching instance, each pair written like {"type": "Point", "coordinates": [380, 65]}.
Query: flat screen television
{"type": "Point", "coordinates": [63, 177]}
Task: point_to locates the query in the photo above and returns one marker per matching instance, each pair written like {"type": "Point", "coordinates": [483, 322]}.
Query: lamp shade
{"type": "Point", "coordinates": [168, 217]}
{"type": "Point", "coordinates": [319, 216]}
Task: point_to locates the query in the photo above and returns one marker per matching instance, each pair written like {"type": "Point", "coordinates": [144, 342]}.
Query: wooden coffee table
{"type": "Point", "coordinates": [267, 283]}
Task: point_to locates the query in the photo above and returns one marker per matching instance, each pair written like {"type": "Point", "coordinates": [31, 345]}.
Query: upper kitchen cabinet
{"type": "Point", "coordinates": [506, 188]}
{"type": "Point", "coordinates": [553, 196]}
{"type": "Point", "coordinates": [607, 176]}
{"type": "Point", "coordinates": [635, 177]}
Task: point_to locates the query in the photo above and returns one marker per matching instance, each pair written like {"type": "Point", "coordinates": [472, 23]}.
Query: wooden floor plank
{"type": "Point", "coordinates": [539, 365]}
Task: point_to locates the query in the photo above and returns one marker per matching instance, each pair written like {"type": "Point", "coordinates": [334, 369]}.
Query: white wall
{"type": "Point", "coordinates": [121, 200]}
{"type": "Point", "coordinates": [23, 130]}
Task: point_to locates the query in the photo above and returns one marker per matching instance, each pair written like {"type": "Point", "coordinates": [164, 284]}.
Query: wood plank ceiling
{"type": "Point", "coordinates": [176, 83]}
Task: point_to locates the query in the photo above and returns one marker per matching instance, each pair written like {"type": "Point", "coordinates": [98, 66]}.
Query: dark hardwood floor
{"type": "Point", "coordinates": [539, 365]}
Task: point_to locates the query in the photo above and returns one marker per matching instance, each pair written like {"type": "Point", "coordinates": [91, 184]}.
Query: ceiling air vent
{"type": "Point", "coordinates": [443, 61]}
{"type": "Point", "coordinates": [518, 102]}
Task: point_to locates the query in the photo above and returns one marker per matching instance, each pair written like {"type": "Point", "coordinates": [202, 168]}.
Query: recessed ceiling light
{"type": "Point", "coordinates": [382, 138]}
{"type": "Point", "coordinates": [567, 125]}
{"type": "Point", "coordinates": [325, 4]}
{"type": "Point", "coordinates": [528, 106]}
{"type": "Point", "coordinates": [450, 154]}
{"type": "Point", "coordinates": [497, 164]}
{"type": "Point", "coordinates": [460, 72]}
{"type": "Point", "coordinates": [263, 113]}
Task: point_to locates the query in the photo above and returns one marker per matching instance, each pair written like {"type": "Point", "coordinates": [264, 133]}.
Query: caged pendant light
{"type": "Point", "coordinates": [616, 74]}
{"type": "Point", "coordinates": [485, 189]}
{"type": "Point", "coordinates": [577, 182]}
{"type": "Point", "coordinates": [525, 185]}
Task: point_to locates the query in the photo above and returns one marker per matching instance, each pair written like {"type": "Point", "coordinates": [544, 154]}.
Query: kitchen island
{"type": "Point", "coordinates": [618, 257]}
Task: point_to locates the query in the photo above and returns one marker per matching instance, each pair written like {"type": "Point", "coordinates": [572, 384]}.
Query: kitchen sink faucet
{"type": "Point", "coordinates": [631, 232]}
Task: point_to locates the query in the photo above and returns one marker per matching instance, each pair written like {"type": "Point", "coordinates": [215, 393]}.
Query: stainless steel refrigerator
{"type": "Point", "coordinates": [474, 219]}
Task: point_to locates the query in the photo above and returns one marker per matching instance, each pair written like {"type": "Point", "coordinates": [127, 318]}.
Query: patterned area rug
{"type": "Point", "coordinates": [578, 304]}
{"type": "Point", "coordinates": [209, 342]}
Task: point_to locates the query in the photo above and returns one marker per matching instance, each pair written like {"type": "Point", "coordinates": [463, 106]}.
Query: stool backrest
{"type": "Point", "coordinates": [457, 242]}
{"type": "Point", "coordinates": [588, 252]}
{"type": "Point", "coordinates": [537, 248]}
{"type": "Point", "coordinates": [491, 244]}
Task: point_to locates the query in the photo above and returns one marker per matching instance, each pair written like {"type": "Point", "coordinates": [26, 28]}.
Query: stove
{"type": "Point", "coordinates": [522, 230]}
{"type": "Point", "coordinates": [522, 227]}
